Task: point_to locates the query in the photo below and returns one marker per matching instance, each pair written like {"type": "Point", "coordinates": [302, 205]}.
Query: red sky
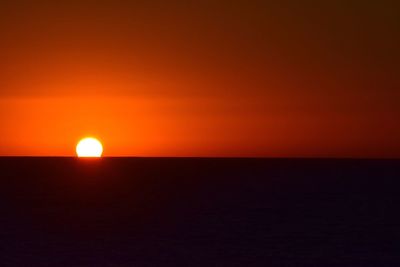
{"type": "Point", "coordinates": [200, 78]}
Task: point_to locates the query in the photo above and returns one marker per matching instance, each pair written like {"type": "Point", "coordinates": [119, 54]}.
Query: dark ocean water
{"type": "Point", "coordinates": [199, 212]}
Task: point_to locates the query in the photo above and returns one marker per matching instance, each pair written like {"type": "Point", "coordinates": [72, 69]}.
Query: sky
{"type": "Point", "coordinates": [201, 78]}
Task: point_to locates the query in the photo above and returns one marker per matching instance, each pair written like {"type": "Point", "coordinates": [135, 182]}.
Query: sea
{"type": "Point", "coordinates": [61, 211]}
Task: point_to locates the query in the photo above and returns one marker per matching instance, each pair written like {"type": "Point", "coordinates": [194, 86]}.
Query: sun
{"type": "Point", "coordinates": [89, 148]}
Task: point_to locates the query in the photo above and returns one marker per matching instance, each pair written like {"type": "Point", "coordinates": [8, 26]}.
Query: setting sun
{"type": "Point", "coordinates": [89, 147]}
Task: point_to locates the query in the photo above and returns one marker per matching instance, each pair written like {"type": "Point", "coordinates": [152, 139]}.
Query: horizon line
{"type": "Point", "coordinates": [210, 157]}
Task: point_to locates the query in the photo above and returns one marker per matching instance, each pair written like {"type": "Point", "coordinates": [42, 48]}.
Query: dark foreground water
{"type": "Point", "coordinates": [199, 212]}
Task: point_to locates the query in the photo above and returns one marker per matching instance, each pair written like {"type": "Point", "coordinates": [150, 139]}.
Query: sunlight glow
{"type": "Point", "coordinates": [89, 147]}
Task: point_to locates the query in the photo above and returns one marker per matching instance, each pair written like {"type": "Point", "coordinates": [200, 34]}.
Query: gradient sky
{"type": "Point", "coordinates": [201, 78]}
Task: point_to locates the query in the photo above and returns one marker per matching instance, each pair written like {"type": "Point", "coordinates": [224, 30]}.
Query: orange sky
{"type": "Point", "coordinates": [217, 78]}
